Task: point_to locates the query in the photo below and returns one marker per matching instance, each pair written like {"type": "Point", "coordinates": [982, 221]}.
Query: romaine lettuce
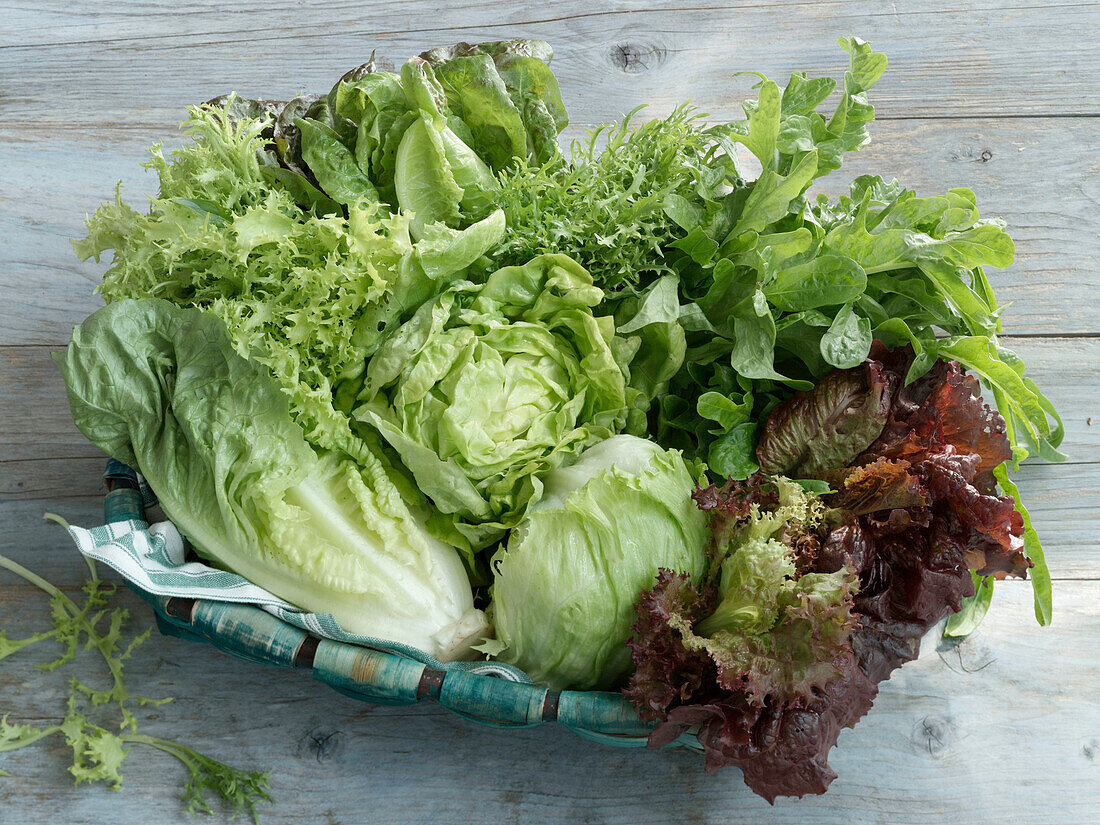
{"type": "Point", "coordinates": [161, 389]}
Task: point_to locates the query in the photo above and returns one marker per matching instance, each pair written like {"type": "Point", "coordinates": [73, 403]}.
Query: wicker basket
{"type": "Point", "coordinates": [250, 633]}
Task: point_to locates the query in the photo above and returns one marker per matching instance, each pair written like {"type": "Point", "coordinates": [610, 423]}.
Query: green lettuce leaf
{"type": "Point", "coordinates": [565, 586]}
{"type": "Point", "coordinates": [308, 295]}
{"type": "Point", "coordinates": [776, 630]}
{"type": "Point", "coordinates": [161, 388]}
{"type": "Point", "coordinates": [489, 387]}
{"type": "Point", "coordinates": [506, 94]}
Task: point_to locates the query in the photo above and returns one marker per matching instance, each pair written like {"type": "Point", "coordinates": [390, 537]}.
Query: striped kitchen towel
{"type": "Point", "coordinates": [153, 557]}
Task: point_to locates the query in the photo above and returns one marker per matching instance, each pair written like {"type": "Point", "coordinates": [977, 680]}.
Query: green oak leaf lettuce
{"type": "Point", "coordinates": [776, 285]}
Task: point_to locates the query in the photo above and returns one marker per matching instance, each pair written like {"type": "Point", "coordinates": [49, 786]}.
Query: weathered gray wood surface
{"type": "Point", "coordinates": [1002, 97]}
{"type": "Point", "coordinates": [957, 60]}
{"type": "Point", "coordinates": [1042, 175]}
{"type": "Point", "coordinates": [1000, 729]}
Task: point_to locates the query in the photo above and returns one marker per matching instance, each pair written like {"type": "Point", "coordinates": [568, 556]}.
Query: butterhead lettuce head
{"type": "Point", "coordinates": [565, 586]}
{"type": "Point", "coordinates": [491, 386]}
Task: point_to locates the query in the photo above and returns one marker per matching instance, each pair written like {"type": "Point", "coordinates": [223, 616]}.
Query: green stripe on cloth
{"type": "Point", "coordinates": [152, 557]}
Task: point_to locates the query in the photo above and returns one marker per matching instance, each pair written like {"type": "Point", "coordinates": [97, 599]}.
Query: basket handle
{"type": "Point", "coordinates": [124, 501]}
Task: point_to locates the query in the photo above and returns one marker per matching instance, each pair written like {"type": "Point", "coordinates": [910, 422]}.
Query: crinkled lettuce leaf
{"type": "Point", "coordinates": [813, 598]}
{"type": "Point", "coordinates": [924, 484]}
{"type": "Point", "coordinates": [776, 629]}
{"type": "Point", "coordinates": [481, 80]}
{"type": "Point", "coordinates": [491, 386]}
{"type": "Point", "coordinates": [427, 140]}
{"type": "Point", "coordinates": [759, 659]}
{"type": "Point", "coordinates": [308, 295]}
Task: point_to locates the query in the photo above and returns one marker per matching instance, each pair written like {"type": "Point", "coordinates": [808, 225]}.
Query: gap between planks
{"type": "Point", "coordinates": [284, 32]}
{"type": "Point", "coordinates": [655, 53]}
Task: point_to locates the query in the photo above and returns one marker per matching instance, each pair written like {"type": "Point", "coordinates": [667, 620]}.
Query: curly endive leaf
{"type": "Point", "coordinates": [99, 752]}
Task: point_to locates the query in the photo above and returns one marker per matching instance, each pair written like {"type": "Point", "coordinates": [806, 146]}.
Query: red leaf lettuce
{"type": "Point", "coordinates": [811, 601]}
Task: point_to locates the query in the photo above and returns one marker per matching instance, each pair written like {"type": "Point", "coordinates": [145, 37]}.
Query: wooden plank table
{"type": "Point", "coordinates": [1000, 97]}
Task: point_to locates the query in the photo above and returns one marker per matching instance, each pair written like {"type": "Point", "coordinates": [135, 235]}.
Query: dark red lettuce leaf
{"type": "Point", "coordinates": [787, 751]}
{"type": "Point", "coordinates": [880, 485]}
{"type": "Point", "coordinates": [939, 442]}
{"type": "Point", "coordinates": [924, 497]}
{"type": "Point", "coordinates": [828, 426]}
{"type": "Point", "coordinates": [782, 749]}
{"type": "Point", "coordinates": [949, 411]}
{"type": "Point", "coordinates": [915, 510]}
{"type": "Point", "coordinates": [727, 507]}
{"type": "Point", "coordinates": [667, 673]}
{"type": "Point", "coordinates": [781, 746]}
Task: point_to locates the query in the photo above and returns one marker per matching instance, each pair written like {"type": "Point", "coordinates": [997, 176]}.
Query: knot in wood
{"type": "Point", "coordinates": [635, 58]}
{"type": "Point", "coordinates": [323, 743]}
{"type": "Point", "coordinates": [935, 736]}
{"type": "Point", "coordinates": [1091, 749]}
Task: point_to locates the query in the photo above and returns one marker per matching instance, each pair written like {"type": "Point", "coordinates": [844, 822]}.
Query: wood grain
{"type": "Point", "coordinates": [1041, 175]}
{"type": "Point", "coordinates": [948, 733]}
{"type": "Point", "coordinates": [985, 59]}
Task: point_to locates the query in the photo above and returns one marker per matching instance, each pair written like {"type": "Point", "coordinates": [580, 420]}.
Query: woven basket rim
{"type": "Point", "coordinates": [373, 675]}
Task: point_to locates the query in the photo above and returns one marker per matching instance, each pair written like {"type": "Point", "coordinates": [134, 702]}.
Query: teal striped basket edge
{"type": "Point", "coordinates": [376, 676]}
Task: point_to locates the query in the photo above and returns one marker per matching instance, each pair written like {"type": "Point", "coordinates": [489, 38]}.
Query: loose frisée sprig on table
{"type": "Point", "coordinates": [99, 752]}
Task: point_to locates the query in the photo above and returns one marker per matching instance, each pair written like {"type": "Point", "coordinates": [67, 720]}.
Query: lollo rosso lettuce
{"type": "Point", "coordinates": [840, 594]}
{"type": "Point", "coordinates": [761, 665]}
{"type": "Point", "coordinates": [161, 389]}
{"type": "Point", "coordinates": [491, 386]}
{"type": "Point", "coordinates": [776, 629]}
